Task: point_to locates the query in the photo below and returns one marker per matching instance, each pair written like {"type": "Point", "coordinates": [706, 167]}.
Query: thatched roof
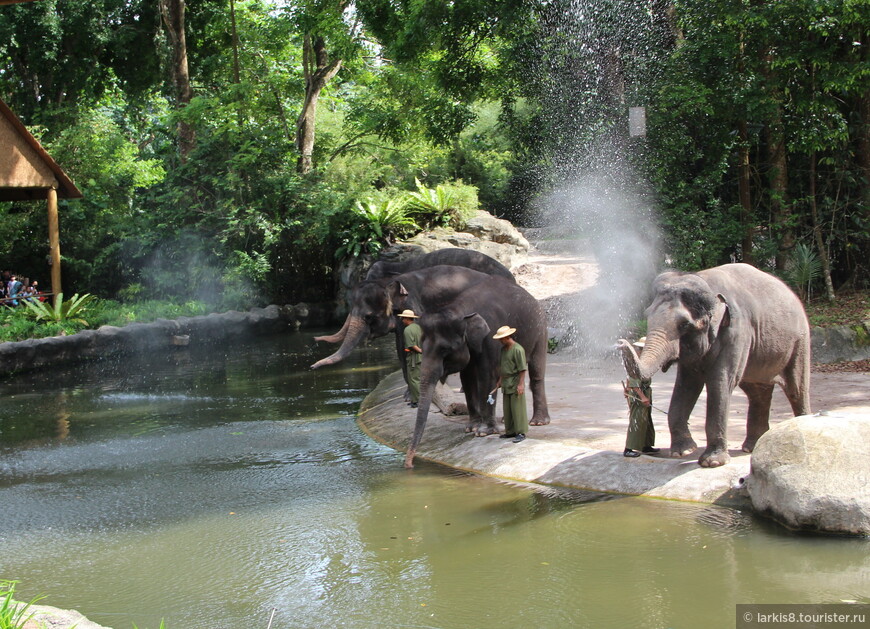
{"type": "Point", "coordinates": [26, 170]}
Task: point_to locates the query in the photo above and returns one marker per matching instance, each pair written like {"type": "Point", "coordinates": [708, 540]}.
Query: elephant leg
{"type": "Point", "coordinates": [468, 388]}
{"type": "Point", "coordinates": [796, 384]}
{"type": "Point", "coordinates": [540, 410]}
{"type": "Point", "coordinates": [481, 415]}
{"type": "Point", "coordinates": [758, 416]}
{"type": "Point", "coordinates": [686, 392]}
{"type": "Point", "coordinates": [718, 403]}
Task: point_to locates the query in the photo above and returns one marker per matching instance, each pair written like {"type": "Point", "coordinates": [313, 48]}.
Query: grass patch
{"type": "Point", "coordinates": [13, 615]}
{"type": "Point", "coordinates": [19, 324]}
{"type": "Point", "coordinates": [850, 309]}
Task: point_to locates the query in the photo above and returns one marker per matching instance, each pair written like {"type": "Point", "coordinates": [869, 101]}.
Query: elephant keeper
{"type": "Point", "coordinates": [412, 335]}
{"type": "Point", "coordinates": [512, 369]}
{"type": "Point", "coordinates": [641, 435]}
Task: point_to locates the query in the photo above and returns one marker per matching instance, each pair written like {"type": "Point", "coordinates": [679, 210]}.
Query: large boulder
{"type": "Point", "coordinates": [495, 237]}
{"type": "Point", "coordinates": [812, 473]}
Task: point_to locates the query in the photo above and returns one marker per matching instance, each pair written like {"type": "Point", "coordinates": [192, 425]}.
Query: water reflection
{"type": "Point", "coordinates": [210, 490]}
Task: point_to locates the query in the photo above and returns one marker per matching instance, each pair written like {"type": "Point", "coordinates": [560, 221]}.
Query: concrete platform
{"type": "Point", "coordinates": [582, 447]}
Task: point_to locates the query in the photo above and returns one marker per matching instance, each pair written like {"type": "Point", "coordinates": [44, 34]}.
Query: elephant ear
{"type": "Point", "coordinates": [721, 317]}
{"type": "Point", "coordinates": [476, 331]}
{"type": "Point", "coordinates": [398, 295]}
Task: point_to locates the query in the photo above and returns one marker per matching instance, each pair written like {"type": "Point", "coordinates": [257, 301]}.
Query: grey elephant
{"type": "Point", "coordinates": [449, 256]}
{"type": "Point", "coordinates": [458, 339]}
{"type": "Point", "coordinates": [375, 302]}
{"type": "Point", "coordinates": [728, 326]}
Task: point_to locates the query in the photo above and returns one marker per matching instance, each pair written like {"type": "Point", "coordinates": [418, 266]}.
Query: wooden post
{"type": "Point", "coordinates": [54, 243]}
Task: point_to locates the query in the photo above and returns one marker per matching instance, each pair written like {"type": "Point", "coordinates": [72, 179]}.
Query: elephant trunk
{"type": "Point", "coordinates": [356, 332]}
{"type": "Point", "coordinates": [429, 377]}
{"type": "Point", "coordinates": [338, 337]}
{"type": "Point", "coordinates": [658, 352]}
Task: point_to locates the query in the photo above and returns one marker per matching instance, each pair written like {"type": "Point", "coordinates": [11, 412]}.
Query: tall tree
{"type": "Point", "coordinates": [330, 34]}
{"type": "Point", "coordinates": [173, 12]}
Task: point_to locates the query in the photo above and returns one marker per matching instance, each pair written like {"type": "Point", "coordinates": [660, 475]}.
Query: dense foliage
{"type": "Point", "coordinates": [757, 144]}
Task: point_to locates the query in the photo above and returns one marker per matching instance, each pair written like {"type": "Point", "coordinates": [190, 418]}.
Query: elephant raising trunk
{"type": "Point", "coordinates": [356, 331]}
{"type": "Point", "coordinates": [338, 337]}
{"type": "Point", "coordinates": [659, 354]}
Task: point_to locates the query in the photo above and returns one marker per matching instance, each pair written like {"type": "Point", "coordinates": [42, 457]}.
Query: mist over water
{"type": "Point", "coordinates": [601, 57]}
{"type": "Point", "coordinates": [606, 213]}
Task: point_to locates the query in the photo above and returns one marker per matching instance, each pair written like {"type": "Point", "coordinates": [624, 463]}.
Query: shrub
{"type": "Point", "coordinates": [445, 205]}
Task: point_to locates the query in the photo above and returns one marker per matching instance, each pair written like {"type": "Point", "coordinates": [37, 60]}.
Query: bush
{"type": "Point", "coordinates": [445, 205]}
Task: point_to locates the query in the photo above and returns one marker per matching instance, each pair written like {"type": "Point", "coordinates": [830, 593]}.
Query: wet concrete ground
{"type": "Point", "coordinates": [583, 445]}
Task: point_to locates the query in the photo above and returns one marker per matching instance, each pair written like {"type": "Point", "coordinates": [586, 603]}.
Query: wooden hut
{"type": "Point", "coordinates": [28, 173]}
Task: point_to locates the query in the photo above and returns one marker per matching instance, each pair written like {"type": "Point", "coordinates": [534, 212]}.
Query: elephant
{"type": "Point", "coordinates": [458, 339]}
{"type": "Point", "coordinates": [451, 256]}
{"type": "Point", "coordinates": [732, 325]}
{"type": "Point", "coordinates": [375, 302]}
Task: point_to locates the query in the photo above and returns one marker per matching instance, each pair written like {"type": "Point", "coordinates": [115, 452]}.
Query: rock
{"type": "Point", "coordinates": [840, 343]}
{"type": "Point", "coordinates": [487, 227]}
{"type": "Point", "coordinates": [811, 472]}
{"type": "Point", "coordinates": [493, 236]}
{"type": "Point", "coordinates": [144, 337]}
{"type": "Point", "coordinates": [46, 617]}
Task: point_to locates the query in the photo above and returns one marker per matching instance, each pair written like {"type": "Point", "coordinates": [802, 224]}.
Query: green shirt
{"type": "Point", "coordinates": [412, 336]}
{"type": "Point", "coordinates": [510, 365]}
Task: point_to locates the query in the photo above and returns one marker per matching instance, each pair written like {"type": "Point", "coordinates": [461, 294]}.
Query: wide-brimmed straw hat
{"type": "Point", "coordinates": [504, 331]}
{"type": "Point", "coordinates": [408, 314]}
{"type": "Point", "coordinates": [641, 342]}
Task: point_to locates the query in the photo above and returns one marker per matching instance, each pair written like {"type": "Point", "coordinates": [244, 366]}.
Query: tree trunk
{"type": "Point", "coordinates": [780, 210]}
{"type": "Point", "coordinates": [172, 12]}
{"type": "Point", "coordinates": [744, 192]}
{"type": "Point", "coordinates": [319, 70]}
{"type": "Point", "coordinates": [817, 233]}
{"type": "Point", "coordinates": [237, 73]}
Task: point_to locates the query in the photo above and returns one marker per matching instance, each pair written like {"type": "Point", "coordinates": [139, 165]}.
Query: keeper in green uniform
{"type": "Point", "coordinates": [413, 354]}
{"type": "Point", "coordinates": [641, 435]}
{"type": "Point", "coordinates": [512, 369]}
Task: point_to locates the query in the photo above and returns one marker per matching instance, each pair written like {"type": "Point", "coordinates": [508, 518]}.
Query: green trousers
{"type": "Point", "coordinates": [641, 433]}
{"type": "Point", "coordinates": [414, 380]}
{"type": "Point", "coordinates": [516, 418]}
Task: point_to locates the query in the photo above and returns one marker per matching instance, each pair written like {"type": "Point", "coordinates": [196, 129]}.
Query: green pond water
{"type": "Point", "coordinates": [220, 489]}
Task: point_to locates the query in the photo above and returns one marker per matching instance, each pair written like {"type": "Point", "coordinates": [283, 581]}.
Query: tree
{"type": "Point", "coordinates": [172, 12]}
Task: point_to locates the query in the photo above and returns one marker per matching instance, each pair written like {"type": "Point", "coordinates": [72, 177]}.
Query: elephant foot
{"type": "Point", "coordinates": [749, 444]}
{"type": "Point", "coordinates": [483, 430]}
{"type": "Point", "coordinates": [680, 448]}
{"type": "Point", "coordinates": [540, 421]}
{"type": "Point", "coordinates": [409, 459]}
{"type": "Point", "coordinates": [714, 458]}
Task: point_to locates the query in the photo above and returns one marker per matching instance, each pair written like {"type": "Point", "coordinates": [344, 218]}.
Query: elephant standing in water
{"type": "Point", "coordinates": [450, 256]}
{"type": "Point", "coordinates": [375, 302]}
{"type": "Point", "coordinates": [729, 326]}
{"type": "Point", "coordinates": [458, 338]}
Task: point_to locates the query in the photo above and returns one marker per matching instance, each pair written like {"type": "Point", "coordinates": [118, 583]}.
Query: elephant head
{"type": "Point", "coordinates": [450, 342]}
{"type": "Point", "coordinates": [683, 322]}
{"type": "Point", "coordinates": [371, 316]}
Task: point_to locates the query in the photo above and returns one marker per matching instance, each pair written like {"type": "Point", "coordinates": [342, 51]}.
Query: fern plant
{"type": "Point", "coordinates": [377, 223]}
{"type": "Point", "coordinates": [69, 310]}
{"type": "Point", "coordinates": [446, 205]}
{"type": "Point", "coordinates": [433, 205]}
{"type": "Point", "coordinates": [804, 268]}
